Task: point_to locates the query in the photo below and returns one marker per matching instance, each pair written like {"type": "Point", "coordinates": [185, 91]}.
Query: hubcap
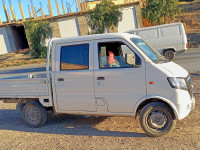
{"type": "Point", "coordinates": [32, 115]}
{"type": "Point", "coordinates": [157, 120]}
{"type": "Point", "coordinates": [169, 55]}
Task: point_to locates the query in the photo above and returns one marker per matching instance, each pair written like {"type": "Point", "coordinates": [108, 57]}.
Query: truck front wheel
{"type": "Point", "coordinates": [156, 119]}
{"type": "Point", "coordinates": [34, 114]}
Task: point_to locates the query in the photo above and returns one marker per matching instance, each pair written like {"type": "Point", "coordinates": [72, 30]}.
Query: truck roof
{"type": "Point", "coordinates": [94, 37]}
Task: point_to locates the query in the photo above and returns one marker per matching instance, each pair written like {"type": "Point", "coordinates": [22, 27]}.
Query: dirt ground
{"type": "Point", "coordinates": [78, 132]}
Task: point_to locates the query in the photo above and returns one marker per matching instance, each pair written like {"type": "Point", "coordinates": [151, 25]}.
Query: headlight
{"type": "Point", "coordinates": [178, 83]}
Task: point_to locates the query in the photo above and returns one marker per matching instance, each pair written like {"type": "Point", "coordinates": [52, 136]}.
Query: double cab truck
{"type": "Point", "coordinates": [114, 74]}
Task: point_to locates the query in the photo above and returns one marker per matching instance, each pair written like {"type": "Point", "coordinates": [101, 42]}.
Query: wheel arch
{"type": "Point", "coordinates": [142, 103]}
{"type": "Point", "coordinates": [166, 49]}
{"type": "Point", "coordinates": [22, 101]}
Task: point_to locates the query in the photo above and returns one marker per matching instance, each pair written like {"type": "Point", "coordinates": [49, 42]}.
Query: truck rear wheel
{"type": "Point", "coordinates": [156, 119]}
{"type": "Point", "coordinates": [34, 114]}
{"type": "Point", "coordinates": [169, 54]}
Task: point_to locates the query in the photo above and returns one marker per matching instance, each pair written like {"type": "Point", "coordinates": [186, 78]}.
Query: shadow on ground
{"type": "Point", "coordinates": [61, 124]}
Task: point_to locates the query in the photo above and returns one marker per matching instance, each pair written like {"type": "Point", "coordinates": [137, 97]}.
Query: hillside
{"type": "Point", "coordinates": [191, 18]}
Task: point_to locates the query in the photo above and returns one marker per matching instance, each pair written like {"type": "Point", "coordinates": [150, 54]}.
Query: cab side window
{"type": "Point", "coordinates": [75, 57]}
{"type": "Point", "coordinates": [117, 55]}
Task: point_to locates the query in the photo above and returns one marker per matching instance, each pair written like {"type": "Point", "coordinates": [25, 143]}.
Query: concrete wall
{"type": "Point", "coordinates": [7, 43]}
{"type": "Point", "coordinates": [129, 20]}
{"type": "Point", "coordinates": [139, 16]}
{"type": "Point", "coordinates": [11, 40]}
{"type": "Point", "coordinates": [83, 25]}
{"type": "Point", "coordinates": [69, 27]}
{"type": "Point", "coordinates": [55, 29]}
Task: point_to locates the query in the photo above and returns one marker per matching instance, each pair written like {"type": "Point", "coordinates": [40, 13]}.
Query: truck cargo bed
{"type": "Point", "coordinates": [24, 86]}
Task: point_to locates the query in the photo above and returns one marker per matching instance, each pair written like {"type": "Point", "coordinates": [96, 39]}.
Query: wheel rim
{"type": "Point", "coordinates": [169, 55]}
{"type": "Point", "coordinates": [32, 115]}
{"type": "Point", "coordinates": [157, 120]}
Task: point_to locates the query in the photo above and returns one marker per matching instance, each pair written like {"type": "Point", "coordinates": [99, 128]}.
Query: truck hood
{"type": "Point", "coordinates": [175, 69]}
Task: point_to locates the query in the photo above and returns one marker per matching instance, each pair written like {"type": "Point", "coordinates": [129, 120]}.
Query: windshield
{"type": "Point", "coordinates": [149, 51]}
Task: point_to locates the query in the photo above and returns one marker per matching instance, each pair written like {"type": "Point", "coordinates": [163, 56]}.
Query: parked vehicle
{"type": "Point", "coordinates": [167, 39]}
{"type": "Point", "coordinates": [110, 75]}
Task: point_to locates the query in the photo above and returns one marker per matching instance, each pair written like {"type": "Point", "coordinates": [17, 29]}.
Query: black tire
{"type": "Point", "coordinates": [34, 114]}
{"type": "Point", "coordinates": [156, 119]}
{"type": "Point", "coordinates": [169, 54]}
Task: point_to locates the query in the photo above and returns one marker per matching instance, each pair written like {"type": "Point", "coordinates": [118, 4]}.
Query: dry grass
{"type": "Point", "coordinates": [17, 59]}
{"type": "Point", "coordinates": [191, 17]}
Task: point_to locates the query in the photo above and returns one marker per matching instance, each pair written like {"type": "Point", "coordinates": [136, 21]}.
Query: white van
{"type": "Point", "coordinates": [167, 39]}
{"type": "Point", "coordinates": [109, 75]}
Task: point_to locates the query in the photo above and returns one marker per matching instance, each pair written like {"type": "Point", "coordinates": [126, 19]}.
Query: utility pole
{"type": "Point", "coordinates": [82, 6]}
{"type": "Point", "coordinates": [29, 10]}
{"type": "Point", "coordinates": [63, 7]}
{"type": "Point", "coordinates": [67, 5]}
{"type": "Point", "coordinates": [9, 18]}
{"type": "Point", "coordinates": [5, 11]}
{"type": "Point", "coordinates": [21, 10]}
{"type": "Point", "coordinates": [41, 10]}
{"type": "Point", "coordinates": [79, 6]}
{"type": "Point", "coordinates": [12, 12]}
{"type": "Point", "coordinates": [50, 8]}
{"type": "Point", "coordinates": [57, 7]}
{"type": "Point", "coordinates": [33, 9]}
{"type": "Point", "coordinates": [85, 5]}
{"type": "Point", "coordinates": [76, 5]}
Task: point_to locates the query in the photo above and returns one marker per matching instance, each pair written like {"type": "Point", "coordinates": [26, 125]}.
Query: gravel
{"type": "Point", "coordinates": [79, 132]}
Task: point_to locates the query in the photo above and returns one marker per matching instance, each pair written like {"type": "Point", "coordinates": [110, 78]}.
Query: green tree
{"type": "Point", "coordinates": [37, 32]}
{"type": "Point", "coordinates": [104, 16]}
{"type": "Point", "coordinates": [160, 11]}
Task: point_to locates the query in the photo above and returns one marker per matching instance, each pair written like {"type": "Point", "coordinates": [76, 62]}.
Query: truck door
{"type": "Point", "coordinates": [119, 76]}
{"type": "Point", "coordinates": [73, 78]}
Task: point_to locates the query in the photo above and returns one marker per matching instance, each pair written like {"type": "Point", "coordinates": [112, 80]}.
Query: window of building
{"type": "Point", "coordinates": [74, 57]}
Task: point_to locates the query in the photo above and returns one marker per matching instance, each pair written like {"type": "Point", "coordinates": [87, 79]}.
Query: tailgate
{"type": "Point", "coordinates": [23, 87]}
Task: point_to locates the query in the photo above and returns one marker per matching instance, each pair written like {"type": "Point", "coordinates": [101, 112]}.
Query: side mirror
{"type": "Point", "coordinates": [130, 59]}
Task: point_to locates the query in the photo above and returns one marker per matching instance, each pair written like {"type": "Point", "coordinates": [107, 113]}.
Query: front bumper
{"type": "Point", "coordinates": [185, 109]}
{"type": "Point", "coordinates": [184, 103]}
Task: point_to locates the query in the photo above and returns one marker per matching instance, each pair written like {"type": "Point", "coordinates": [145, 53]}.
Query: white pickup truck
{"type": "Point", "coordinates": [108, 74]}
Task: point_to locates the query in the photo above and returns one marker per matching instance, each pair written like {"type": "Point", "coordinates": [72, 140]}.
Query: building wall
{"type": "Point", "coordinates": [83, 25]}
{"type": "Point", "coordinates": [129, 20]}
{"type": "Point", "coordinates": [139, 16]}
{"type": "Point", "coordinates": [11, 40]}
{"type": "Point", "coordinates": [69, 27]}
{"type": "Point", "coordinates": [55, 29]}
{"type": "Point", "coordinates": [4, 41]}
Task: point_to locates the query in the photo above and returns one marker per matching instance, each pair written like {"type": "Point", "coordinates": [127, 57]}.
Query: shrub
{"type": "Point", "coordinates": [37, 32]}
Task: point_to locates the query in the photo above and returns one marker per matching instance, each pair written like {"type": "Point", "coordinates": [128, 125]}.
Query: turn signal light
{"type": "Point", "coordinates": [151, 82]}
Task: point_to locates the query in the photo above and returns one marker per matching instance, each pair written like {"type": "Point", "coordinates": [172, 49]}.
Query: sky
{"type": "Point", "coordinates": [36, 4]}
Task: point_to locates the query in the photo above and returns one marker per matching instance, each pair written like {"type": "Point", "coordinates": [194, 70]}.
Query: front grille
{"type": "Point", "coordinates": [189, 85]}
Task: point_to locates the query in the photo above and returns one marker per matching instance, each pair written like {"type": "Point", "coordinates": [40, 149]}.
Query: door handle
{"type": "Point", "coordinates": [100, 78]}
{"type": "Point", "coordinates": [60, 79]}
